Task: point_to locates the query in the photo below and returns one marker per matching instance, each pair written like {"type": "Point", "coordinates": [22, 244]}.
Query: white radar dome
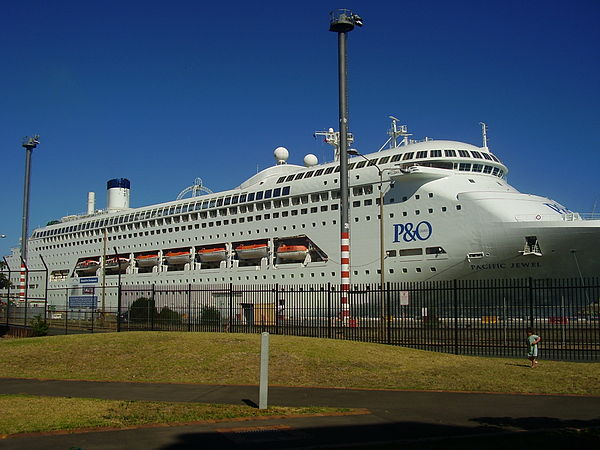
{"type": "Point", "coordinates": [310, 160]}
{"type": "Point", "coordinates": [281, 155]}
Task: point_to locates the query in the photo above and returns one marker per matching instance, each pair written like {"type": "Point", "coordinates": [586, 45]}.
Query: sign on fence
{"type": "Point", "coordinates": [88, 301]}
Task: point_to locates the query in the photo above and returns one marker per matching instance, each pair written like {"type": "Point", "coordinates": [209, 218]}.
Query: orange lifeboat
{"type": "Point", "coordinates": [149, 260]}
{"type": "Point", "coordinates": [295, 253]}
{"type": "Point", "coordinates": [252, 251]}
{"type": "Point", "coordinates": [176, 258]}
{"type": "Point", "coordinates": [87, 266]}
{"type": "Point", "coordinates": [116, 263]}
{"type": "Point", "coordinates": [216, 254]}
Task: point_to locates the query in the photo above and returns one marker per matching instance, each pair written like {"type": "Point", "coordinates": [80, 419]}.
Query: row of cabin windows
{"type": "Point", "coordinates": [403, 156]}
{"type": "Point", "coordinates": [171, 210]}
{"type": "Point", "coordinates": [231, 210]}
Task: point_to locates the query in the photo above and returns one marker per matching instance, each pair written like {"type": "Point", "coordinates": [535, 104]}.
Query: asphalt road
{"type": "Point", "coordinates": [393, 416]}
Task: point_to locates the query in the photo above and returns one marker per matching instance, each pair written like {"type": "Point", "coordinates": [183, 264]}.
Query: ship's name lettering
{"type": "Point", "coordinates": [514, 265]}
{"type": "Point", "coordinates": [408, 232]}
{"type": "Point", "coordinates": [559, 209]}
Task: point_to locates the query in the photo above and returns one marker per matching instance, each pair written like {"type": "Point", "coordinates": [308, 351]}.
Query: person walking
{"type": "Point", "coordinates": [532, 347]}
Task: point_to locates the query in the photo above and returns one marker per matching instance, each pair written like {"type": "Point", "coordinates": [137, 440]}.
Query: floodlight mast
{"type": "Point", "coordinates": [29, 143]}
{"type": "Point", "coordinates": [343, 21]}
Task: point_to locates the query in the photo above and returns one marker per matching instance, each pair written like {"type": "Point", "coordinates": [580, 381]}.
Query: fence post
{"type": "Point", "coordinates": [530, 302]}
{"type": "Point", "coordinates": [45, 289]}
{"type": "Point", "coordinates": [8, 291]}
{"type": "Point", "coordinates": [230, 307]}
{"type": "Point", "coordinates": [388, 313]}
{"type": "Point", "coordinates": [329, 310]}
{"type": "Point", "coordinates": [66, 310]}
{"type": "Point", "coordinates": [26, 291]}
{"type": "Point", "coordinates": [455, 300]}
{"type": "Point", "coordinates": [276, 308]}
{"type": "Point", "coordinates": [119, 308]}
{"type": "Point", "coordinates": [190, 307]}
{"type": "Point", "coordinates": [153, 307]}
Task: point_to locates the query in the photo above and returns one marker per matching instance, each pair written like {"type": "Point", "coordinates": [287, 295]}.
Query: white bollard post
{"type": "Point", "coordinates": [264, 371]}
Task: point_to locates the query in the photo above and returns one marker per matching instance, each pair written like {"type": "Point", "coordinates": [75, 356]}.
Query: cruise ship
{"type": "Point", "coordinates": [448, 213]}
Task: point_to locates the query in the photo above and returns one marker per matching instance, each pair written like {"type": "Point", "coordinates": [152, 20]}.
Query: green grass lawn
{"type": "Point", "coordinates": [28, 413]}
{"type": "Point", "coordinates": [221, 358]}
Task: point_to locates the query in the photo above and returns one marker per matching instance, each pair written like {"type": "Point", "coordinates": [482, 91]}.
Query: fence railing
{"type": "Point", "coordinates": [463, 317]}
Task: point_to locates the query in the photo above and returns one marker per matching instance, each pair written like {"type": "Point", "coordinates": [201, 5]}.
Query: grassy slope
{"type": "Point", "coordinates": [233, 359]}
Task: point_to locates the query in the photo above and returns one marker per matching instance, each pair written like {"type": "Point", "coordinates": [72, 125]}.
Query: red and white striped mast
{"type": "Point", "coordinates": [343, 21]}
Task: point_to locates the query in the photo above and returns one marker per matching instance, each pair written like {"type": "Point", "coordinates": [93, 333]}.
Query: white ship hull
{"type": "Point", "coordinates": [439, 224]}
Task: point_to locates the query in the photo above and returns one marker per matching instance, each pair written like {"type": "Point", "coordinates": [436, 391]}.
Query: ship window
{"type": "Point", "coordinates": [337, 169]}
{"type": "Point", "coordinates": [280, 179]}
{"type": "Point", "coordinates": [373, 162]}
{"type": "Point", "coordinates": [268, 193]}
{"type": "Point", "coordinates": [220, 202]}
{"type": "Point", "coordinates": [351, 166]}
{"type": "Point", "coordinates": [177, 210]}
{"type": "Point", "coordinates": [463, 153]}
{"type": "Point", "coordinates": [477, 168]}
{"type": "Point", "coordinates": [328, 170]}
{"type": "Point", "coordinates": [259, 195]}
{"type": "Point", "coordinates": [458, 207]}
{"type": "Point", "coordinates": [494, 158]}
{"type": "Point", "coordinates": [421, 154]}
{"type": "Point", "coordinates": [286, 190]}
{"type": "Point", "coordinates": [408, 155]}
{"type": "Point", "coordinates": [290, 178]}
{"type": "Point", "coordinates": [464, 167]}
{"type": "Point", "coordinates": [299, 176]}
{"type": "Point", "coordinates": [435, 153]}
{"type": "Point", "coordinates": [487, 169]}
{"type": "Point", "coordinates": [227, 201]}
{"type": "Point", "coordinates": [384, 160]}
{"type": "Point", "coordinates": [319, 172]}
{"type": "Point", "coordinates": [450, 153]}
{"type": "Point", "coordinates": [171, 210]}
{"type": "Point", "coordinates": [486, 156]}
{"type": "Point", "coordinates": [471, 180]}
{"type": "Point", "coordinates": [277, 192]}
{"type": "Point", "coordinates": [235, 199]}
{"type": "Point", "coordinates": [434, 251]}
{"type": "Point", "coordinates": [251, 196]}
{"type": "Point", "coordinates": [357, 191]}
{"type": "Point", "coordinates": [242, 198]}
{"type": "Point", "coordinates": [356, 204]}
{"type": "Point", "coordinates": [368, 202]}
{"type": "Point", "coordinates": [361, 164]}
{"type": "Point", "coordinates": [294, 212]}
{"type": "Point", "coordinates": [500, 173]}
{"type": "Point", "coordinates": [309, 174]}
{"type": "Point", "coordinates": [212, 203]}
{"type": "Point", "coordinates": [396, 158]}
{"type": "Point", "coordinates": [495, 171]}
{"type": "Point", "coordinates": [476, 155]}
{"type": "Point", "coordinates": [411, 252]}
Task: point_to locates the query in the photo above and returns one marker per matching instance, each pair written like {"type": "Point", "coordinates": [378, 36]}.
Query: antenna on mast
{"type": "Point", "coordinates": [484, 134]}
{"type": "Point", "coordinates": [333, 139]}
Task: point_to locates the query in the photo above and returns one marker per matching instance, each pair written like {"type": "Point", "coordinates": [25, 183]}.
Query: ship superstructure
{"type": "Point", "coordinates": [449, 213]}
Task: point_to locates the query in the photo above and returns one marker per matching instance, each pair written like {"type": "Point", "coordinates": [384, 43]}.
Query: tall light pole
{"type": "Point", "coordinates": [343, 21]}
{"type": "Point", "coordinates": [380, 171]}
{"type": "Point", "coordinates": [29, 143]}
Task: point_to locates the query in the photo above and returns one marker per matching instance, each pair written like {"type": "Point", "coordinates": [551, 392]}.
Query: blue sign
{"type": "Point", "coordinates": [88, 280]}
{"type": "Point", "coordinates": [408, 232]}
{"type": "Point", "coordinates": [88, 301]}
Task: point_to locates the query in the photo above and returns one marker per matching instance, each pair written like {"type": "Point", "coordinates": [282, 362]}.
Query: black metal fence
{"type": "Point", "coordinates": [461, 317]}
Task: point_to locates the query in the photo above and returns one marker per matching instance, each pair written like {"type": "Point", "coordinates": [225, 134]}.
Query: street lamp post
{"type": "Point", "coordinates": [29, 143]}
{"type": "Point", "coordinates": [343, 21]}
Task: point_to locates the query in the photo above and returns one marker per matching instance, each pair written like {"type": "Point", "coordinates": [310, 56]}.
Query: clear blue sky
{"type": "Point", "coordinates": [163, 92]}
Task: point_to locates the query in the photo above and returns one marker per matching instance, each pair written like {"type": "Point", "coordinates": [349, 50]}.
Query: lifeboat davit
{"type": "Point", "coordinates": [149, 260]}
{"type": "Point", "coordinates": [177, 258]}
{"type": "Point", "coordinates": [252, 251]}
{"type": "Point", "coordinates": [88, 266]}
{"type": "Point", "coordinates": [292, 252]}
{"type": "Point", "coordinates": [216, 254]}
{"type": "Point", "coordinates": [116, 263]}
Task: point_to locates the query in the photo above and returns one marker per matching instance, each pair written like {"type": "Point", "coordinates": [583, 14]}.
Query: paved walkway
{"type": "Point", "coordinates": [394, 416]}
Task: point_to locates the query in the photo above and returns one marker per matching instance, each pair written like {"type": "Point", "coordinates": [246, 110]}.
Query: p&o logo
{"type": "Point", "coordinates": [408, 232]}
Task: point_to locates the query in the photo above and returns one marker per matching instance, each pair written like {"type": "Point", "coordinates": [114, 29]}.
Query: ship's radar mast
{"type": "Point", "coordinates": [195, 189]}
{"type": "Point", "coordinates": [333, 139]}
{"type": "Point", "coordinates": [395, 132]}
{"type": "Point", "coordinates": [484, 134]}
